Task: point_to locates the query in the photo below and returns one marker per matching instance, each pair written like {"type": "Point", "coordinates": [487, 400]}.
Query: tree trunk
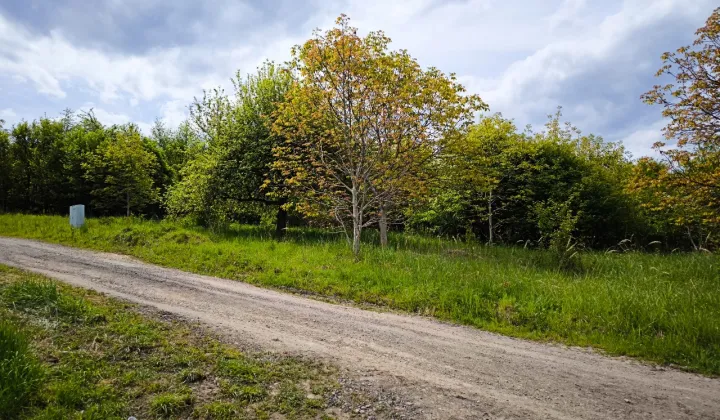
{"type": "Point", "coordinates": [490, 220]}
{"type": "Point", "coordinates": [357, 223]}
{"type": "Point", "coordinates": [695, 247]}
{"type": "Point", "coordinates": [127, 202]}
{"type": "Point", "coordinates": [383, 227]}
{"type": "Point", "coordinates": [281, 222]}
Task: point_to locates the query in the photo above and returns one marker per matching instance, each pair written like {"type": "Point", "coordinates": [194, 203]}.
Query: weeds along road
{"type": "Point", "coordinates": [446, 371]}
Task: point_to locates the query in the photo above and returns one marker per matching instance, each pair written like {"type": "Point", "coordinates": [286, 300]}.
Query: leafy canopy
{"type": "Point", "coordinates": [361, 121]}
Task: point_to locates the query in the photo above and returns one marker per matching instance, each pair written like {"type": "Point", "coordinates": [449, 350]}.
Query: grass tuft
{"type": "Point", "coordinates": [190, 376]}
{"type": "Point", "coordinates": [20, 373]}
{"type": "Point", "coordinates": [43, 296]}
{"type": "Point", "coordinates": [170, 404]}
{"type": "Point", "coordinates": [244, 394]}
{"type": "Point", "coordinates": [217, 410]}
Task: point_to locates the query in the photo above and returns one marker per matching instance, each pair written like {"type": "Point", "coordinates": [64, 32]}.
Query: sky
{"type": "Point", "coordinates": [138, 60]}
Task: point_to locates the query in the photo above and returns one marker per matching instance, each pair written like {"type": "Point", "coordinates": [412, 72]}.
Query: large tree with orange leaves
{"type": "Point", "coordinates": [361, 122]}
{"type": "Point", "coordinates": [692, 103]}
{"type": "Point", "coordinates": [689, 179]}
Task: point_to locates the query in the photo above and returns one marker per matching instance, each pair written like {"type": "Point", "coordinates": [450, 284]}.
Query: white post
{"type": "Point", "coordinates": [77, 215]}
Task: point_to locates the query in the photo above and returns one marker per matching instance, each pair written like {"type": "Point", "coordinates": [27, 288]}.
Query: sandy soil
{"type": "Point", "coordinates": [445, 371]}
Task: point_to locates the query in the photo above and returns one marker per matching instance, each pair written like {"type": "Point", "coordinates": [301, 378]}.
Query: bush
{"type": "Point", "coordinates": [557, 224]}
{"type": "Point", "coordinates": [20, 373]}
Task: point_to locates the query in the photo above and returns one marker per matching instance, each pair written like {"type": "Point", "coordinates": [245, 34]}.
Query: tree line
{"type": "Point", "coordinates": [352, 134]}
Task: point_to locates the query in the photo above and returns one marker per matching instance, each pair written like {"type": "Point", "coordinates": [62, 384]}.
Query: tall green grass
{"type": "Point", "coordinates": [660, 307]}
{"type": "Point", "coordinates": [20, 372]}
{"type": "Point", "coordinates": [43, 297]}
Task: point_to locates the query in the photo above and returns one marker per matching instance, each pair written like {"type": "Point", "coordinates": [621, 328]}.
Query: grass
{"type": "Point", "coordinates": [20, 373]}
{"type": "Point", "coordinates": [663, 308]}
{"type": "Point", "coordinates": [68, 353]}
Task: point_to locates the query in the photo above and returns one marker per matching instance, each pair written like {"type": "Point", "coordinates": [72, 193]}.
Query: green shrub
{"type": "Point", "coordinates": [20, 373]}
{"type": "Point", "coordinates": [557, 224]}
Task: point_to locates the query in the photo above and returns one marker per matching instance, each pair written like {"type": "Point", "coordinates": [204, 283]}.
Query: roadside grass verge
{"type": "Point", "coordinates": [20, 372]}
{"type": "Point", "coordinates": [69, 353]}
{"type": "Point", "coordinates": [663, 308]}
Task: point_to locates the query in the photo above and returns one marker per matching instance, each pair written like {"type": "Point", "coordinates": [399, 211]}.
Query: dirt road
{"type": "Point", "coordinates": [447, 371]}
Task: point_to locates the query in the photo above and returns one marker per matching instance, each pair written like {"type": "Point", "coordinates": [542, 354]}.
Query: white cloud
{"type": "Point", "coordinates": [539, 77]}
{"type": "Point", "coordinates": [104, 116]}
{"type": "Point", "coordinates": [51, 63]}
{"type": "Point", "coordinates": [174, 112]}
{"type": "Point", "coordinates": [640, 141]}
{"type": "Point", "coordinates": [567, 14]}
{"type": "Point", "coordinates": [442, 34]}
{"type": "Point", "coordinates": [597, 75]}
{"type": "Point", "coordinates": [115, 118]}
{"type": "Point", "coordinates": [129, 84]}
{"type": "Point", "coordinates": [145, 128]}
{"type": "Point", "coordinates": [7, 113]}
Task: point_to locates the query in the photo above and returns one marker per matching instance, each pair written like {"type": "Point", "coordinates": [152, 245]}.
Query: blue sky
{"type": "Point", "coordinates": [135, 60]}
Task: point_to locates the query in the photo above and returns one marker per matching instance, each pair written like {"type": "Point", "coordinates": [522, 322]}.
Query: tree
{"type": "Point", "coordinates": [674, 208]}
{"type": "Point", "coordinates": [585, 177]}
{"type": "Point", "coordinates": [121, 172]}
{"type": "Point", "coordinates": [37, 166]}
{"type": "Point", "coordinates": [361, 121]}
{"type": "Point", "coordinates": [83, 134]}
{"type": "Point", "coordinates": [692, 104]}
{"type": "Point", "coordinates": [5, 167]}
{"type": "Point", "coordinates": [248, 148]}
{"type": "Point", "coordinates": [236, 170]}
{"type": "Point", "coordinates": [163, 177]}
{"type": "Point", "coordinates": [505, 186]}
{"type": "Point", "coordinates": [178, 146]}
{"type": "Point", "coordinates": [194, 194]}
{"type": "Point", "coordinates": [475, 167]}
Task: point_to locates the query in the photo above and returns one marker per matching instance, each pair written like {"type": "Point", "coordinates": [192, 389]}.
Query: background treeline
{"type": "Point", "coordinates": [517, 187]}
{"type": "Point", "coordinates": [49, 164]}
{"type": "Point", "coordinates": [293, 145]}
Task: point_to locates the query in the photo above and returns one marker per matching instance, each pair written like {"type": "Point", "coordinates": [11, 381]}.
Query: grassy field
{"type": "Point", "coordinates": [67, 353]}
{"type": "Point", "coordinates": [661, 308]}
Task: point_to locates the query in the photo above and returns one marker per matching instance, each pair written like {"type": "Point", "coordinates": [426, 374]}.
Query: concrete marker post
{"type": "Point", "coordinates": [77, 215]}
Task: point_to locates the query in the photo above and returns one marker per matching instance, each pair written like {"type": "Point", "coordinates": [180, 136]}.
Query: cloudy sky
{"type": "Point", "coordinates": [135, 60]}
